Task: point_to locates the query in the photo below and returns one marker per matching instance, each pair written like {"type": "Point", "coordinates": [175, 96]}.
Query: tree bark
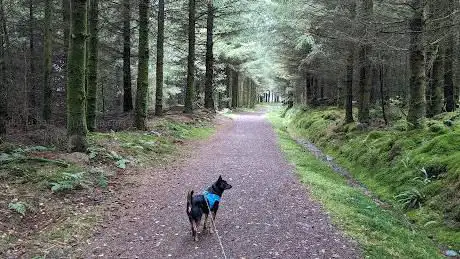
{"type": "Point", "coordinates": [160, 57]}
{"type": "Point", "coordinates": [32, 102]}
{"type": "Point", "coordinates": [365, 80]}
{"type": "Point", "coordinates": [436, 102]}
{"type": "Point", "coordinates": [76, 98]}
{"type": "Point", "coordinates": [417, 101]}
{"type": "Point", "coordinates": [349, 88]}
{"type": "Point", "coordinates": [66, 23]}
{"type": "Point", "coordinates": [140, 120]}
{"type": "Point", "coordinates": [190, 88]}
{"type": "Point", "coordinates": [3, 81]}
{"type": "Point", "coordinates": [308, 89]}
{"type": "Point", "coordinates": [127, 92]}
{"type": "Point", "coordinates": [93, 46]}
{"type": "Point", "coordinates": [235, 92]}
{"type": "Point", "coordinates": [66, 39]}
{"type": "Point", "coordinates": [208, 93]}
{"type": "Point", "coordinates": [315, 99]}
{"type": "Point", "coordinates": [382, 91]}
{"type": "Point", "coordinates": [47, 66]}
{"type": "Point", "coordinates": [449, 90]}
{"type": "Point", "coordinates": [228, 88]}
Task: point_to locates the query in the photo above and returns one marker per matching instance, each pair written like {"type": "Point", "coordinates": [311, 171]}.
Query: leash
{"type": "Point", "coordinates": [215, 231]}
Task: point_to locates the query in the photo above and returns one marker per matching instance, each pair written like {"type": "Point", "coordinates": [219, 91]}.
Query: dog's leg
{"type": "Point", "coordinates": [211, 230]}
{"type": "Point", "coordinates": [205, 222]}
{"type": "Point", "coordinates": [194, 230]}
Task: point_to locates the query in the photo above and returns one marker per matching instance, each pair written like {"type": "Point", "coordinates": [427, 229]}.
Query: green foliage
{"type": "Point", "coordinates": [19, 207]}
{"type": "Point", "coordinates": [436, 126]}
{"type": "Point", "coordinates": [102, 180]}
{"type": "Point", "coordinates": [381, 232]}
{"type": "Point", "coordinates": [121, 163]}
{"type": "Point", "coordinates": [411, 199]}
{"type": "Point", "coordinates": [69, 181]}
{"type": "Point", "coordinates": [418, 169]}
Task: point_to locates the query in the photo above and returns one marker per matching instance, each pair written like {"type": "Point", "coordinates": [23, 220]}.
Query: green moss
{"type": "Point", "coordinates": [395, 161]}
{"type": "Point", "coordinates": [443, 145]}
{"type": "Point", "coordinates": [382, 233]}
{"type": "Point", "coordinates": [437, 126]}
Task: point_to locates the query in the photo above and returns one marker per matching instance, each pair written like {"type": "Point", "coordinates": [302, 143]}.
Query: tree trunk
{"type": "Point", "coordinates": [436, 90]}
{"type": "Point", "coordinates": [190, 91]}
{"type": "Point", "coordinates": [417, 101]}
{"type": "Point", "coordinates": [253, 95]}
{"type": "Point", "coordinates": [160, 54]}
{"type": "Point", "coordinates": [32, 102]}
{"type": "Point", "coordinates": [382, 91]}
{"type": "Point", "coordinates": [66, 23]}
{"type": "Point", "coordinates": [449, 90]}
{"type": "Point", "coordinates": [365, 80]}
{"type": "Point", "coordinates": [315, 99]}
{"type": "Point", "coordinates": [349, 88]}
{"type": "Point", "coordinates": [228, 89]}
{"type": "Point", "coordinates": [235, 93]}
{"type": "Point", "coordinates": [66, 39]}
{"type": "Point", "coordinates": [140, 120]}
{"type": "Point", "coordinates": [307, 88]}
{"type": "Point", "coordinates": [76, 99]}
{"type": "Point", "coordinates": [3, 85]}
{"type": "Point", "coordinates": [93, 45]}
{"type": "Point", "coordinates": [127, 92]}
{"type": "Point", "coordinates": [47, 66]}
{"type": "Point", "coordinates": [208, 93]}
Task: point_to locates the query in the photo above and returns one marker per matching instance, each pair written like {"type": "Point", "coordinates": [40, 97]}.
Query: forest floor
{"type": "Point", "coordinates": [51, 201]}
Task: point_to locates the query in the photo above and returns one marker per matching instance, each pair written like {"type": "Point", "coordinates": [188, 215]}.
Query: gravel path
{"type": "Point", "coordinates": [267, 213]}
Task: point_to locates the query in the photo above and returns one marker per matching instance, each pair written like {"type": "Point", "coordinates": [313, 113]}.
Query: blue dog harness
{"type": "Point", "coordinates": [211, 198]}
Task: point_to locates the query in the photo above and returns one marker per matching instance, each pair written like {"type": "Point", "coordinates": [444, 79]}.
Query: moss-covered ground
{"type": "Point", "coordinates": [416, 172]}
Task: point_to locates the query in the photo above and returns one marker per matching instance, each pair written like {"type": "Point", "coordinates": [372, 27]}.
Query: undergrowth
{"type": "Point", "coordinates": [382, 233]}
{"type": "Point", "coordinates": [417, 171]}
{"type": "Point", "coordinates": [51, 199]}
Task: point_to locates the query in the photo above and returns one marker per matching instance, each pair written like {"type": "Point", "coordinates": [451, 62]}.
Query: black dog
{"type": "Point", "coordinates": [201, 204]}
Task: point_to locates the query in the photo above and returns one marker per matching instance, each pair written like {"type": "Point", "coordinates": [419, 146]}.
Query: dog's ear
{"type": "Point", "coordinates": [220, 178]}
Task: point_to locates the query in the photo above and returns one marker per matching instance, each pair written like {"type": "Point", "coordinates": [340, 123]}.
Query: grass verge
{"type": "Point", "coordinates": [381, 233]}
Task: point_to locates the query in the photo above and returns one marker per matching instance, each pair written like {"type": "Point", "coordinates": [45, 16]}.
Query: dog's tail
{"type": "Point", "coordinates": [189, 201]}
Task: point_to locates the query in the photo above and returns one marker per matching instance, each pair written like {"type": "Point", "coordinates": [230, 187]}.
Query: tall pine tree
{"type": "Point", "coordinates": [76, 96]}
{"type": "Point", "coordinates": [140, 120]}
{"type": "Point", "coordinates": [160, 57]}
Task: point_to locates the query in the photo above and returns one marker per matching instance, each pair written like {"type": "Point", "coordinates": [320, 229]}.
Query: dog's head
{"type": "Point", "coordinates": [222, 184]}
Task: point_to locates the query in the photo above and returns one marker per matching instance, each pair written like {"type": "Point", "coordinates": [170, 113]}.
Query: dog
{"type": "Point", "coordinates": [197, 205]}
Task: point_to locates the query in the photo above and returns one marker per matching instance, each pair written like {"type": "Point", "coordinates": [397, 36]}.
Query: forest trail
{"type": "Point", "coordinates": [267, 213]}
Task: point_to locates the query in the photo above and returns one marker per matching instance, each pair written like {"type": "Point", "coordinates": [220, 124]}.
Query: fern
{"type": "Point", "coordinates": [102, 181]}
{"type": "Point", "coordinates": [69, 181]}
{"type": "Point", "coordinates": [121, 163]}
{"type": "Point", "coordinates": [19, 207]}
{"type": "Point", "coordinates": [410, 199]}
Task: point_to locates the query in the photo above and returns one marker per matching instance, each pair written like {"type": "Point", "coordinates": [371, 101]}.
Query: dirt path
{"type": "Point", "coordinates": [267, 214]}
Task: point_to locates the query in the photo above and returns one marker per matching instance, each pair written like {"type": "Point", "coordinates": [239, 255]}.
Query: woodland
{"type": "Point", "coordinates": [375, 83]}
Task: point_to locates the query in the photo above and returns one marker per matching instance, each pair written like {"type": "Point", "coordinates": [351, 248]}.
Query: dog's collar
{"type": "Point", "coordinates": [211, 198]}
